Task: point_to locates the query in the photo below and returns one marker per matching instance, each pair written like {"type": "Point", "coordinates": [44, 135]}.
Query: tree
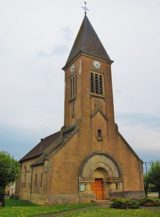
{"type": "Point", "coordinates": [9, 170]}
{"type": "Point", "coordinates": [146, 184]}
{"type": "Point", "coordinates": [154, 175]}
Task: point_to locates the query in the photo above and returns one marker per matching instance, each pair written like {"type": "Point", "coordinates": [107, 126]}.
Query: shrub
{"type": "Point", "coordinates": [150, 202]}
{"type": "Point", "coordinates": [125, 204]}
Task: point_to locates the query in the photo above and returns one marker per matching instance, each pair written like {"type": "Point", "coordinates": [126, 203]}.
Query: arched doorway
{"type": "Point", "coordinates": [99, 186]}
{"type": "Point", "coordinates": [99, 175]}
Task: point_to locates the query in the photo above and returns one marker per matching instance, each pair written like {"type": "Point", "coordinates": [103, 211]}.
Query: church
{"type": "Point", "coordinates": [88, 159]}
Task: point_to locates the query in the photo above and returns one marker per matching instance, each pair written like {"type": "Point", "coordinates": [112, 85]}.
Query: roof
{"type": "Point", "coordinates": [87, 41]}
{"type": "Point", "coordinates": [41, 147]}
{"type": "Point", "coordinates": [49, 144]}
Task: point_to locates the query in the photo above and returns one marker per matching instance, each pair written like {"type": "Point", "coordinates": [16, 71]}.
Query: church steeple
{"type": "Point", "coordinates": [87, 42]}
{"type": "Point", "coordinates": [88, 84]}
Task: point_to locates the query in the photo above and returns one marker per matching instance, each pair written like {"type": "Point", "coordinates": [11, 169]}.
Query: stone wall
{"type": "Point", "coordinates": [128, 194]}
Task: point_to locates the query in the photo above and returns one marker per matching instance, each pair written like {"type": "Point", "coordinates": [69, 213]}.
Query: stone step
{"type": "Point", "coordinates": [103, 202]}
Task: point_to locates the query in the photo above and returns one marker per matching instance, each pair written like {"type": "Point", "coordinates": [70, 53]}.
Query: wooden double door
{"type": "Point", "coordinates": [99, 189]}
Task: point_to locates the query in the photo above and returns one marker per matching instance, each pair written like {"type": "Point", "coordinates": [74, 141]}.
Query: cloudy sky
{"type": "Point", "coordinates": [35, 40]}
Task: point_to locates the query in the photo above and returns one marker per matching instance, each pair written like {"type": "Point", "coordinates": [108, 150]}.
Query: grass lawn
{"type": "Point", "coordinates": [108, 212]}
{"type": "Point", "coordinates": [19, 208]}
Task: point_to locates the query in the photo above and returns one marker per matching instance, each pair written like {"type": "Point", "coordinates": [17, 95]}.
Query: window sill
{"type": "Point", "coordinates": [98, 96]}
{"type": "Point", "coordinates": [71, 100]}
{"type": "Point", "coordinates": [99, 138]}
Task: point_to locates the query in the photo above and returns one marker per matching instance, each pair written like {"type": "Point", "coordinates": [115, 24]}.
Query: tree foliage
{"type": "Point", "coordinates": [9, 170]}
{"type": "Point", "coordinates": [146, 184]}
{"type": "Point", "coordinates": [154, 175]}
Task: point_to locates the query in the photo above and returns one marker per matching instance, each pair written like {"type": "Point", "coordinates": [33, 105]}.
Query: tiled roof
{"type": "Point", "coordinates": [41, 147]}
{"type": "Point", "coordinates": [49, 144]}
{"type": "Point", "coordinates": [88, 42]}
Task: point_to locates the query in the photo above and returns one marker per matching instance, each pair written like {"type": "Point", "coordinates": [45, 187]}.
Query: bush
{"type": "Point", "coordinates": [125, 204]}
{"type": "Point", "coordinates": [150, 202]}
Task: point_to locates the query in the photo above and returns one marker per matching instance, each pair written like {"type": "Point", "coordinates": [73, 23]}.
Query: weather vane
{"type": "Point", "coordinates": [85, 8]}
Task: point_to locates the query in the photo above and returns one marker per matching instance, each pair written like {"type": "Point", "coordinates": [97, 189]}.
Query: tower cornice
{"type": "Point", "coordinates": [81, 53]}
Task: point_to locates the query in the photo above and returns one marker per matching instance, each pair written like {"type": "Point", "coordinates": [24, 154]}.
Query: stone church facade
{"type": "Point", "coordinates": [88, 159]}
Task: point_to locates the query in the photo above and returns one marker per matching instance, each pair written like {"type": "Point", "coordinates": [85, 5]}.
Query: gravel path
{"type": "Point", "coordinates": [74, 211]}
{"type": "Point", "coordinates": [157, 209]}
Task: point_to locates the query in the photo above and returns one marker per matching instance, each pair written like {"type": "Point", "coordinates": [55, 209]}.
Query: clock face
{"type": "Point", "coordinates": [96, 64]}
{"type": "Point", "coordinates": [72, 68]}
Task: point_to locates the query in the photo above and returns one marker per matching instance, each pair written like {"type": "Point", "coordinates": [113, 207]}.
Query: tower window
{"type": "Point", "coordinates": [73, 87]}
{"type": "Point", "coordinates": [96, 83]}
{"type": "Point", "coordinates": [99, 135]}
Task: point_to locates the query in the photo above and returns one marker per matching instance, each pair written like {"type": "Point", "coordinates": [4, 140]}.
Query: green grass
{"type": "Point", "coordinates": [20, 208]}
{"type": "Point", "coordinates": [13, 203]}
{"type": "Point", "coordinates": [108, 212]}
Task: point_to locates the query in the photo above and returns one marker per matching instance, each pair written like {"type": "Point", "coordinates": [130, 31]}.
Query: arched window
{"type": "Point", "coordinates": [73, 87]}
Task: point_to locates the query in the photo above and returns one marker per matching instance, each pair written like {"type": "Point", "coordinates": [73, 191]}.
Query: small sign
{"type": "Point", "coordinates": [82, 187]}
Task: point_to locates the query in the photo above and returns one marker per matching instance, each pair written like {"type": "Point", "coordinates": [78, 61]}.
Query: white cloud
{"type": "Point", "coordinates": [29, 85]}
{"type": "Point", "coordinates": [68, 34]}
{"type": "Point", "coordinates": [56, 51]}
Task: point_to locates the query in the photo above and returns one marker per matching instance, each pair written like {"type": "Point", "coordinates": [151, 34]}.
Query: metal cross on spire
{"type": "Point", "coordinates": [85, 8]}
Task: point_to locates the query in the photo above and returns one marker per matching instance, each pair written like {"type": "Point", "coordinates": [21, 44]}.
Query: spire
{"type": "Point", "coordinates": [88, 42]}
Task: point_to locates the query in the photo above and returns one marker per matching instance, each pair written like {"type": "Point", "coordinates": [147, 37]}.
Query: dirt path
{"type": "Point", "coordinates": [89, 208]}
{"type": "Point", "coordinates": [74, 211]}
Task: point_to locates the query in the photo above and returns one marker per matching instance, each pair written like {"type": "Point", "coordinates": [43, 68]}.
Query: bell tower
{"type": "Point", "coordinates": [88, 83]}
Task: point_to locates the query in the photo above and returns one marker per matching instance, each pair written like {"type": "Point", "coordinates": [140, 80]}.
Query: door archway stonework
{"type": "Point", "coordinates": [99, 167]}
